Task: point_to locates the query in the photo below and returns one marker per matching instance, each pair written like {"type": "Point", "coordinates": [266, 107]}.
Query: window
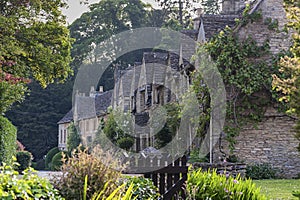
{"type": "Point", "coordinates": [61, 137]}
{"type": "Point", "coordinates": [160, 95]}
{"type": "Point", "coordinates": [95, 124]}
{"type": "Point", "coordinates": [87, 124]}
{"type": "Point", "coordinates": [142, 100]}
{"type": "Point", "coordinates": [65, 136]}
{"type": "Point", "coordinates": [89, 139]}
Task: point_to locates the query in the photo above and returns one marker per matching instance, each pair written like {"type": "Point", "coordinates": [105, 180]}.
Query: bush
{"type": "Point", "coordinates": [24, 159]}
{"type": "Point", "coordinates": [38, 165]}
{"type": "Point", "coordinates": [142, 188]}
{"type": "Point", "coordinates": [94, 165]}
{"type": "Point", "coordinates": [210, 185]}
{"type": "Point", "coordinates": [125, 143]}
{"type": "Point", "coordinates": [8, 138]}
{"type": "Point", "coordinates": [49, 157]}
{"type": "Point", "coordinates": [260, 171]}
{"type": "Point", "coordinates": [29, 187]}
{"type": "Point", "coordinates": [56, 162]}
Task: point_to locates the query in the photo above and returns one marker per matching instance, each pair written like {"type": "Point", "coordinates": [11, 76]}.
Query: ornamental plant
{"type": "Point", "coordinates": [210, 185]}
{"type": "Point", "coordinates": [98, 166]}
{"type": "Point", "coordinates": [142, 188]}
{"type": "Point", "coordinates": [29, 187]}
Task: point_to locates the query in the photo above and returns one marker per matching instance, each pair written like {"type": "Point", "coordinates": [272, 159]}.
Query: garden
{"type": "Point", "coordinates": [92, 175]}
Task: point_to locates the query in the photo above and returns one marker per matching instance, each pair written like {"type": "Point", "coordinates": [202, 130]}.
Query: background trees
{"type": "Point", "coordinates": [34, 44]}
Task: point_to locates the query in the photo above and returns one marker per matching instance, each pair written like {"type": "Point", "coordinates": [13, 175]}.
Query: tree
{"type": "Point", "coordinates": [39, 113]}
{"type": "Point", "coordinates": [105, 19]}
{"type": "Point", "coordinates": [35, 43]}
{"type": "Point", "coordinates": [74, 139]}
{"type": "Point", "coordinates": [177, 10]}
{"type": "Point", "coordinates": [289, 83]}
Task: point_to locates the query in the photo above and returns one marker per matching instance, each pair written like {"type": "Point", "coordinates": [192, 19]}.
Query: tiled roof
{"type": "Point", "coordinates": [89, 107]}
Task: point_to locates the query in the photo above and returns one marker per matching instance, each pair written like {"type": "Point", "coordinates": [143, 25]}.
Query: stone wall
{"type": "Point", "coordinates": [271, 141]}
{"type": "Point", "coordinates": [260, 31]}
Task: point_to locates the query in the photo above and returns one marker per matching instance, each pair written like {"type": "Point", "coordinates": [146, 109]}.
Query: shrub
{"type": "Point", "coordinates": [29, 187]}
{"type": "Point", "coordinates": [38, 165]}
{"type": "Point", "coordinates": [24, 159]}
{"type": "Point", "coordinates": [142, 188]}
{"type": "Point", "coordinates": [125, 143]}
{"type": "Point", "coordinates": [210, 185]}
{"type": "Point", "coordinates": [114, 195]}
{"type": "Point", "coordinates": [260, 171]}
{"type": "Point", "coordinates": [8, 138]}
{"type": "Point", "coordinates": [56, 162]}
{"type": "Point", "coordinates": [97, 166]}
{"type": "Point", "coordinates": [194, 157]}
{"type": "Point", "coordinates": [49, 157]}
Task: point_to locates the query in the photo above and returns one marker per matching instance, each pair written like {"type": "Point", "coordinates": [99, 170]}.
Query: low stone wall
{"type": "Point", "coordinates": [227, 168]}
{"type": "Point", "coordinates": [271, 141]}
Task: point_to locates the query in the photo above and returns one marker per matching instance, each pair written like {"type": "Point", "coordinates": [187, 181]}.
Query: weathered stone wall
{"type": "Point", "coordinates": [271, 141]}
{"type": "Point", "coordinates": [259, 30]}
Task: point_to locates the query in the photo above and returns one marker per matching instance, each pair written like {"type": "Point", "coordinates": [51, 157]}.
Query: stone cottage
{"type": "Point", "coordinates": [271, 141]}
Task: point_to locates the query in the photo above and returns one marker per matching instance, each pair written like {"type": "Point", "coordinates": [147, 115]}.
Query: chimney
{"type": "Point", "coordinates": [198, 19]}
{"type": "Point", "coordinates": [92, 92]}
{"type": "Point", "coordinates": [100, 89]}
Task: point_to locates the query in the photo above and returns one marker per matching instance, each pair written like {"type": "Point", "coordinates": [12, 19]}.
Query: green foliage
{"type": "Point", "coordinates": [195, 157]}
{"type": "Point", "coordinates": [250, 17]}
{"type": "Point", "coordinates": [39, 165]}
{"type": "Point", "coordinates": [8, 138]}
{"type": "Point", "coordinates": [24, 159]}
{"type": "Point", "coordinates": [260, 171]}
{"type": "Point", "coordinates": [211, 6]}
{"type": "Point", "coordinates": [105, 19]}
{"type": "Point", "coordinates": [97, 166]}
{"type": "Point", "coordinates": [272, 24]}
{"type": "Point", "coordinates": [177, 14]}
{"type": "Point", "coordinates": [166, 134]}
{"type": "Point", "coordinates": [35, 44]}
{"type": "Point", "coordinates": [142, 188]}
{"type": "Point", "coordinates": [74, 139]}
{"type": "Point", "coordinates": [239, 62]}
{"type": "Point", "coordinates": [118, 133]}
{"type": "Point", "coordinates": [125, 143]}
{"type": "Point", "coordinates": [57, 162]}
{"type": "Point", "coordinates": [117, 194]}
{"type": "Point", "coordinates": [29, 187]}
{"type": "Point", "coordinates": [49, 157]}
{"type": "Point", "coordinates": [296, 194]}
{"type": "Point", "coordinates": [210, 185]}
{"type": "Point", "coordinates": [37, 116]}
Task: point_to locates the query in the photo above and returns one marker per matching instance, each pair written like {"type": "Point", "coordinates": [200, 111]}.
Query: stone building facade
{"type": "Point", "coordinates": [271, 141]}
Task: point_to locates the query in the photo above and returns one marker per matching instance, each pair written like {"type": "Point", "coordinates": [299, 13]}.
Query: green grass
{"type": "Point", "coordinates": [278, 189]}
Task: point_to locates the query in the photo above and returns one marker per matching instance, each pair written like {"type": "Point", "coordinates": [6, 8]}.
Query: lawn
{"type": "Point", "coordinates": [278, 189]}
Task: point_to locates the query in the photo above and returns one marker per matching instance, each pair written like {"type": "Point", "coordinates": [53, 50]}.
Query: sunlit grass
{"type": "Point", "coordinates": [278, 189]}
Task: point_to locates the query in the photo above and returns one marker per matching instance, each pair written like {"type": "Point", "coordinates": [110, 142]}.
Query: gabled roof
{"type": "Point", "coordinates": [89, 107]}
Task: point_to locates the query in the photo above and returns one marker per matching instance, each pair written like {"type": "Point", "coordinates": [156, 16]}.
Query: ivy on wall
{"type": "Point", "coordinates": [246, 69]}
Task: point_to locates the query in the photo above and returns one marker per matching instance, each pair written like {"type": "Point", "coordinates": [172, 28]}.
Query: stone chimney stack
{"type": "Point", "coordinates": [232, 7]}
{"type": "Point", "coordinates": [198, 19]}
{"type": "Point", "coordinates": [100, 89]}
{"type": "Point", "coordinates": [92, 92]}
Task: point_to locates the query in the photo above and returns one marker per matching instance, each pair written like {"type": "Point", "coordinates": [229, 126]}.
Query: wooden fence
{"type": "Point", "coordinates": [168, 174]}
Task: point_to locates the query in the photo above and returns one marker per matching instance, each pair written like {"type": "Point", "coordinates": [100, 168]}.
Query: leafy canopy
{"type": "Point", "coordinates": [35, 43]}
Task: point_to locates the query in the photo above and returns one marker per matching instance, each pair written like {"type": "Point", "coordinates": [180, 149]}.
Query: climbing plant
{"type": "Point", "coordinates": [247, 76]}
